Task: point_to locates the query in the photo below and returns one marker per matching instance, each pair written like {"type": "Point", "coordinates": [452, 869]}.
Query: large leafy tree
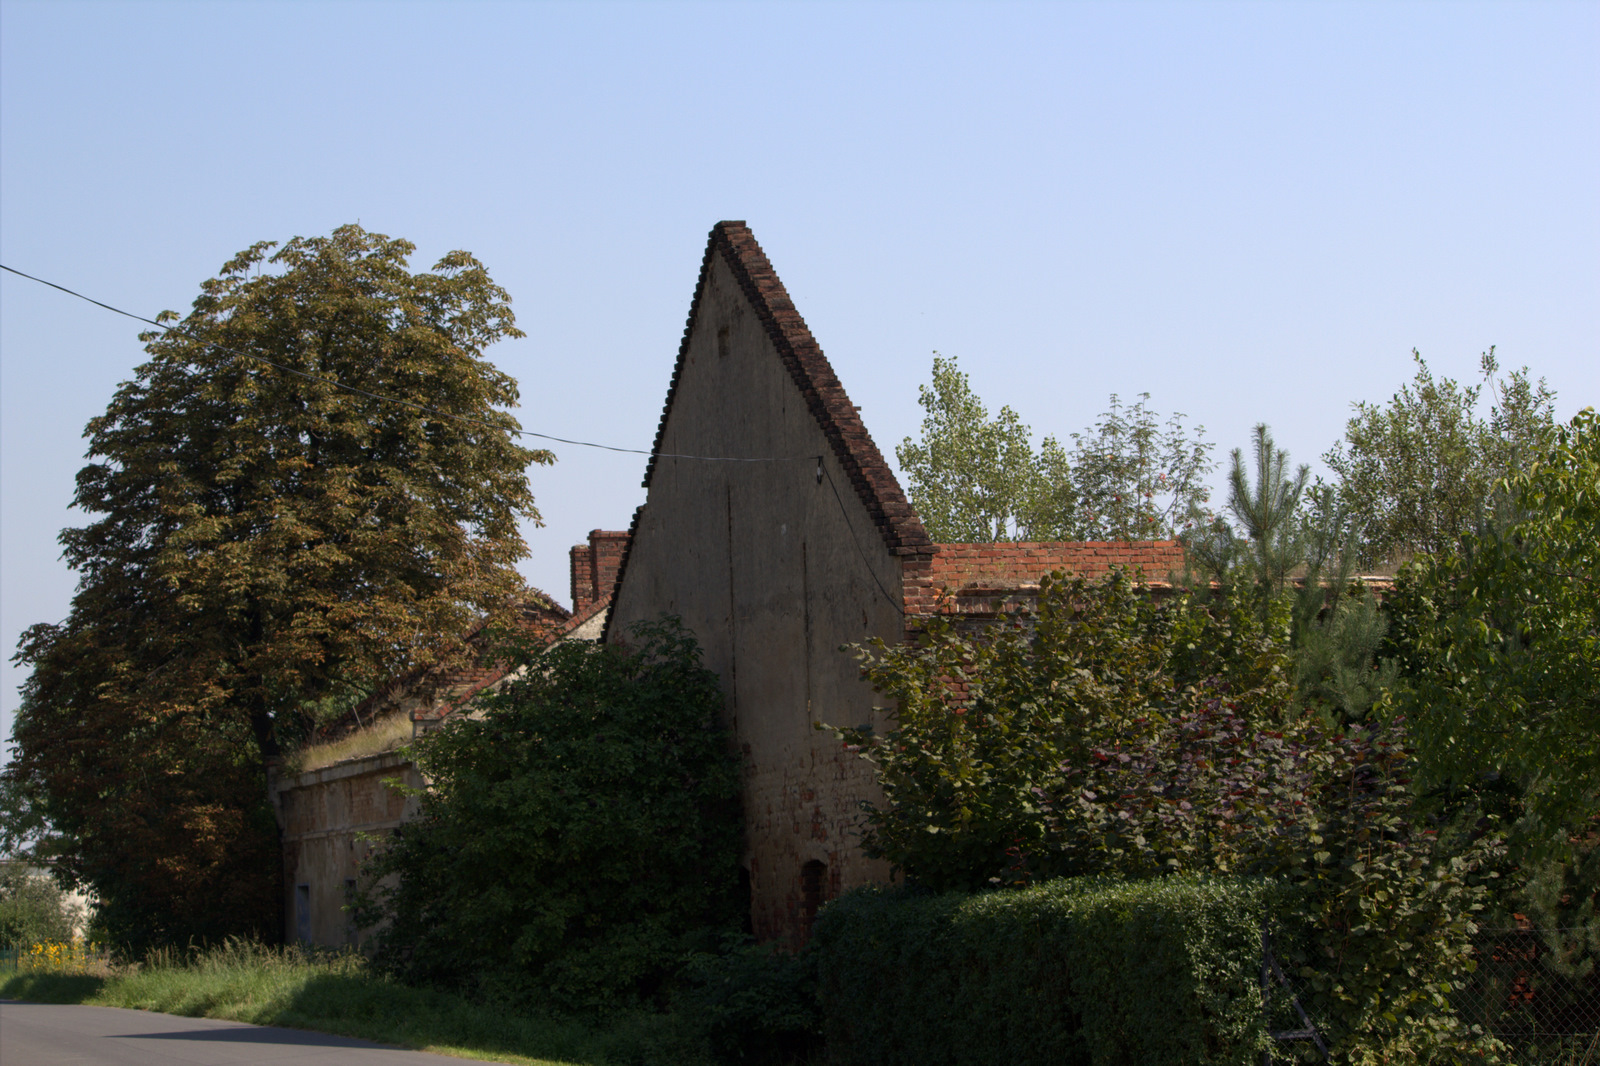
{"type": "Point", "coordinates": [974, 478]}
{"type": "Point", "coordinates": [1419, 471]}
{"type": "Point", "coordinates": [310, 480]}
{"type": "Point", "coordinates": [1501, 642]}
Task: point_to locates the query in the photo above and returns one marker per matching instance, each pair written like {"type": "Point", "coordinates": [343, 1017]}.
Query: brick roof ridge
{"type": "Point", "coordinates": [535, 598]}
{"type": "Point", "coordinates": [579, 617]}
{"type": "Point", "coordinates": [853, 447]}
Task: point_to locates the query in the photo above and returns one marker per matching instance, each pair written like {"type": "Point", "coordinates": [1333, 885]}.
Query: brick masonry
{"type": "Point", "coordinates": [582, 568]}
{"type": "Point", "coordinates": [991, 579]}
{"type": "Point", "coordinates": [594, 567]}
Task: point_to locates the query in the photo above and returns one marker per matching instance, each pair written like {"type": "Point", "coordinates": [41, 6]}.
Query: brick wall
{"type": "Point", "coordinates": [594, 567]}
{"type": "Point", "coordinates": [987, 579]}
{"type": "Point", "coordinates": [582, 578]}
{"type": "Point", "coordinates": [605, 556]}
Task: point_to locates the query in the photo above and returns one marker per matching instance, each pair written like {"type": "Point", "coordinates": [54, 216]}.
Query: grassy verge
{"type": "Point", "coordinates": [337, 995]}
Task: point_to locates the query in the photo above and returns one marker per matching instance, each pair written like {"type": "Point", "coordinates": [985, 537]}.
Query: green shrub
{"type": "Point", "coordinates": [1110, 733]}
{"type": "Point", "coordinates": [755, 1003]}
{"type": "Point", "coordinates": [33, 908]}
{"type": "Point", "coordinates": [1087, 971]}
{"type": "Point", "coordinates": [577, 841]}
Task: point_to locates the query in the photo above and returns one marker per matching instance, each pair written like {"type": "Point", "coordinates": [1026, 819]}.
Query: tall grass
{"type": "Point", "coordinates": [385, 734]}
{"type": "Point", "coordinates": [336, 993]}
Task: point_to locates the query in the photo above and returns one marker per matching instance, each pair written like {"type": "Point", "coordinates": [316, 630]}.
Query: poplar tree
{"type": "Point", "coordinates": [1420, 472]}
{"type": "Point", "coordinates": [309, 487]}
{"type": "Point", "coordinates": [973, 478]}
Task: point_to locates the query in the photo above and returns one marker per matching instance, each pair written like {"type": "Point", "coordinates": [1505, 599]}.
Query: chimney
{"type": "Point", "coordinates": [594, 567]}
{"type": "Point", "coordinates": [605, 559]}
{"type": "Point", "coordinates": [582, 578]}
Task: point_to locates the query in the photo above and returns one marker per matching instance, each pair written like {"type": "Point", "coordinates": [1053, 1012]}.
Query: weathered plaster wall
{"type": "Point", "coordinates": [773, 568]}
{"type": "Point", "coordinates": [322, 813]}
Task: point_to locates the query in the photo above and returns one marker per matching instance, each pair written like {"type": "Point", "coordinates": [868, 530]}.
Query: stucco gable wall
{"type": "Point", "coordinates": [773, 569]}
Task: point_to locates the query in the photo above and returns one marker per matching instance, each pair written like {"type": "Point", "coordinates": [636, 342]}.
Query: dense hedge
{"type": "Point", "coordinates": [1085, 970]}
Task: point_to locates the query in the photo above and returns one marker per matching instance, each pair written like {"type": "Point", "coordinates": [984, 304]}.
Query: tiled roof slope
{"type": "Point", "coordinates": [444, 688]}
{"type": "Point", "coordinates": [863, 464]}
{"type": "Point", "coordinates": [1010, 565]}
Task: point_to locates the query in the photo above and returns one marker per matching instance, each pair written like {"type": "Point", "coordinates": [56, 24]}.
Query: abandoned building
{"type": "Point", "coordinates": [329, 814]}
{"type": "Point", "coordinates": [775, 529]}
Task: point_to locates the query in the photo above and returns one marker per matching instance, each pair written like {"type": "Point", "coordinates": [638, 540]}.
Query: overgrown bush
{"type": "Point", "coordinates": [577, 840]}
{"type": "Point", "coordinates": [1076, 971]}
{"type": "Point", "coordinates": [1112, 733]}
{"type": "Point", "coordinates": [1499, 641]}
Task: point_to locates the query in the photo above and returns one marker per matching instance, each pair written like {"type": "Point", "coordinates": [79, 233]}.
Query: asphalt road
{"type": "Point", "coordinates": [37, 1034]}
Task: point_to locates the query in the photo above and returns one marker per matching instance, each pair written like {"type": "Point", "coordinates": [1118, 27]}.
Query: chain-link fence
{"type": "Point", "coordinates": [1537, 990]}
{"type": "Point", "coordinates": [1298, 1034]}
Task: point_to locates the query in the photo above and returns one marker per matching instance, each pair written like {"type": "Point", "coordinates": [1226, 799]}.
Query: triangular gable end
{"type": "Point", "coordinates": [874, 483]}
{"type": "Point", "coordinates": [776, 533]}
{"type": "Point", "coordinates": [870, 475]}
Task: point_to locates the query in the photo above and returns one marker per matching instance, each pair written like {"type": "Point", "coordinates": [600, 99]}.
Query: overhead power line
{"type": "Point", "coordinates": [407, 403]}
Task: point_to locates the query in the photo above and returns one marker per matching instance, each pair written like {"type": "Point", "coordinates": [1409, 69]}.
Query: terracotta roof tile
{"type": "Point", "coordinates": [451, 685]}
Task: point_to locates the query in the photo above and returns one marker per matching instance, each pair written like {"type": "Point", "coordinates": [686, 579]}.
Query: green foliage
{"type": "Point", "coordinates": [974, 479]}
{"type": "Point", "coordinates": [987, 727]}
{"type": "Point", "coordinates": [33, 909]}
{"type": "Point", "coordinates": [1136, 478]}
{"type": "Point", "coordinates": [1564, 894]}
{"type": "Point", "coordinates": [1112, 733]}
{"type": "Point", "coordinates": [1267, 510]}
{"type": "Point", "coordinates": [1073, 971]}
{"type": "Point", "coordinates": [754, 1002]}
{"type": "Point", "coordinates": [576, 840]}
{"type": "Point", "coordinates": [1338, 668]}
{"type": "Point", "coordinates": [1419, 471]}
{"type": "Point", "coordinates": [1501, 644]}
{"type": "Point", "coordinates": [1275, 535]}
{"type": "Point", "coordinates": [261, 541]}
{"type": "Point", "coordinates": [163, 813]}
{"type": "Point", "coordinates": [1336, 629]}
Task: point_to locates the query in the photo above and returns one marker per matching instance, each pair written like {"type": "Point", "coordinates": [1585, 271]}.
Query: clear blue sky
{"type": "Point", "coordinates": [1251, 211]}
